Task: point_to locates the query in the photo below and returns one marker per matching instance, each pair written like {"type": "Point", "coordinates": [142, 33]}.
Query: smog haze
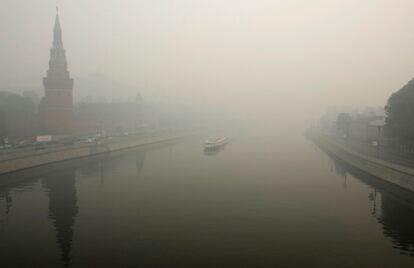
{"type": "Point", "coordinates": [266, 57]}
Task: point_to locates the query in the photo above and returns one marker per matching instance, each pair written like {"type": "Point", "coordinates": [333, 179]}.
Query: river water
{"type": "Point", "coordinates": [264, 200]}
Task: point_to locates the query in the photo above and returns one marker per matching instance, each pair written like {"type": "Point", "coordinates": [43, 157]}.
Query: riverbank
{"type": "Point", "coordinates": [395, 174]}
{"type": "Point", "coordinates": [31, 159]}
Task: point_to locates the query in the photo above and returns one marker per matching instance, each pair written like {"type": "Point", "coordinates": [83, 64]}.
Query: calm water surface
{"type": "Point", "coordinates": [265, 200]}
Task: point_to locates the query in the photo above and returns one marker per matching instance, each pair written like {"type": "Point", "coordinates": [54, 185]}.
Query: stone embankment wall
{"type": "Point", "coordinates": [396, 174]}
{"type": "Point", "coordinates": [33, 158]}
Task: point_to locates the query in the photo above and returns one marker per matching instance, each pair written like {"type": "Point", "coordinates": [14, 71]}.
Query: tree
{"type": "Point", "coordinates": [399, 123]}
{"type": "Point", "coordinates": [18, 115]}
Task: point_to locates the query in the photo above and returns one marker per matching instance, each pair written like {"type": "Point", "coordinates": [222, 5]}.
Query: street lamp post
{"type": "Point", "coordinates": [379, 124]}
{"type": "Point", "coordinates": [379, 140]}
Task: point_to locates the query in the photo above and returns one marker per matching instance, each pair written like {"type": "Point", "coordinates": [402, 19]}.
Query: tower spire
{"type": "Point", "coordinates": [57, 104]}
{"type": "Point", "coordinates": [57, 62]}
{"type": "Point", "coordinates": [57, 23]}
{"type": "Point", "coordinates": [57, 31]}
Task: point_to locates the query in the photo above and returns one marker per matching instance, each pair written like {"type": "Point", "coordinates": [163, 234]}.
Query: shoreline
{"type": "Point", "coordinates": [392, 173]}
{"type": "Point", "coordinates": [44, 158]}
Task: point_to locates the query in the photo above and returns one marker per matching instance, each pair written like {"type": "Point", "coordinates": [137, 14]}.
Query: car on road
{"type": "Point", "coordinates": [4, 147]}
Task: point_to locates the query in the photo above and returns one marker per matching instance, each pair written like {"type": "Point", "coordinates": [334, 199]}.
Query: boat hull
{"type": "Point", "coordinates": [215, 144]}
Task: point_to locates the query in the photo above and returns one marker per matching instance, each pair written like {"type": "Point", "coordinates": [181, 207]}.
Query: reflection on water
{"type": "Point", "coordinates": [396, 211]}
{"type": "Point", "coordinates": [398, 222]}
{"type": "Point", "coordinates": [139, 160]}
{"type": "Point", "coordinates": [256, 204]}
{"type": "Point", "coordinates": [214, 151]}
{"type": "Point", "coordinates": [4, 195]}
{"type": "Point", "coordinates": [6, 199]}
{"type": "Point", "coordinates": [61, 188]}
{"type": "Point", "coordinates": [63, 207]}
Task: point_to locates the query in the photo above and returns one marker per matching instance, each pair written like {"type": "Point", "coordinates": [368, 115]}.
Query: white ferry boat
{"type": "Point", "coordinates": [214, 143]}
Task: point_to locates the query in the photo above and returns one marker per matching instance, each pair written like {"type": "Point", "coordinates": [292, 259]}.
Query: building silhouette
{"type": "Point", "coordinates": [56, 107]}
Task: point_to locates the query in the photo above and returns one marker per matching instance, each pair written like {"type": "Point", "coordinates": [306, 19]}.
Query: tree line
{"type": "Point", "coordinates": [18, 116]}
{"type": "Point", "coordinates": [399, 119]}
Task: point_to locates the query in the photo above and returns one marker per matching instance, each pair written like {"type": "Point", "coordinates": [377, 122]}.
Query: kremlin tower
{"type": "Point", "coordinates": [56, 108]}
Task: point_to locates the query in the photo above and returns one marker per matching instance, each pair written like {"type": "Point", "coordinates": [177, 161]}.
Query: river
{"type": "Point", "coordinates": [264, 200]}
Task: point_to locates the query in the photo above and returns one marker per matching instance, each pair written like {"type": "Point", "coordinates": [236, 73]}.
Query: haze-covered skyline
{"type": "Point", "coordinates": [259, 55]}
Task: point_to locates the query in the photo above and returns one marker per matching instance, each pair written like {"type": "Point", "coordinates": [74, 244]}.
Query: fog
{"type": "Point", "coordinates": [207, 133]}
{"type": "Point", "coordinates": [254, 58]}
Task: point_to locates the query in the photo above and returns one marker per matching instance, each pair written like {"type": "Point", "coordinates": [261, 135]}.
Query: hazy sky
{"type": "Point", "coordinates": [249, 54]}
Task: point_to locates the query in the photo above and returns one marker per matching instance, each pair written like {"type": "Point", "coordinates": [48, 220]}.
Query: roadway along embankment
{"type": "Point", "coordinates": [35, 158]}
{"type": "Point", "coordinates": [390, 172]}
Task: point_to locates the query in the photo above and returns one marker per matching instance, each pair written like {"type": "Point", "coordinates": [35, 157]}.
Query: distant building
{"type": "Point", "coordinates": [56, 107]}
{"type": "Point", "coordinates": [18, 118]}
{"type": "Point", "coordinates": [362, 128]}
{"type": "Point", "coordinates": [110, 117]}
{"type": "Point", "coordinates": [32, 95]}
